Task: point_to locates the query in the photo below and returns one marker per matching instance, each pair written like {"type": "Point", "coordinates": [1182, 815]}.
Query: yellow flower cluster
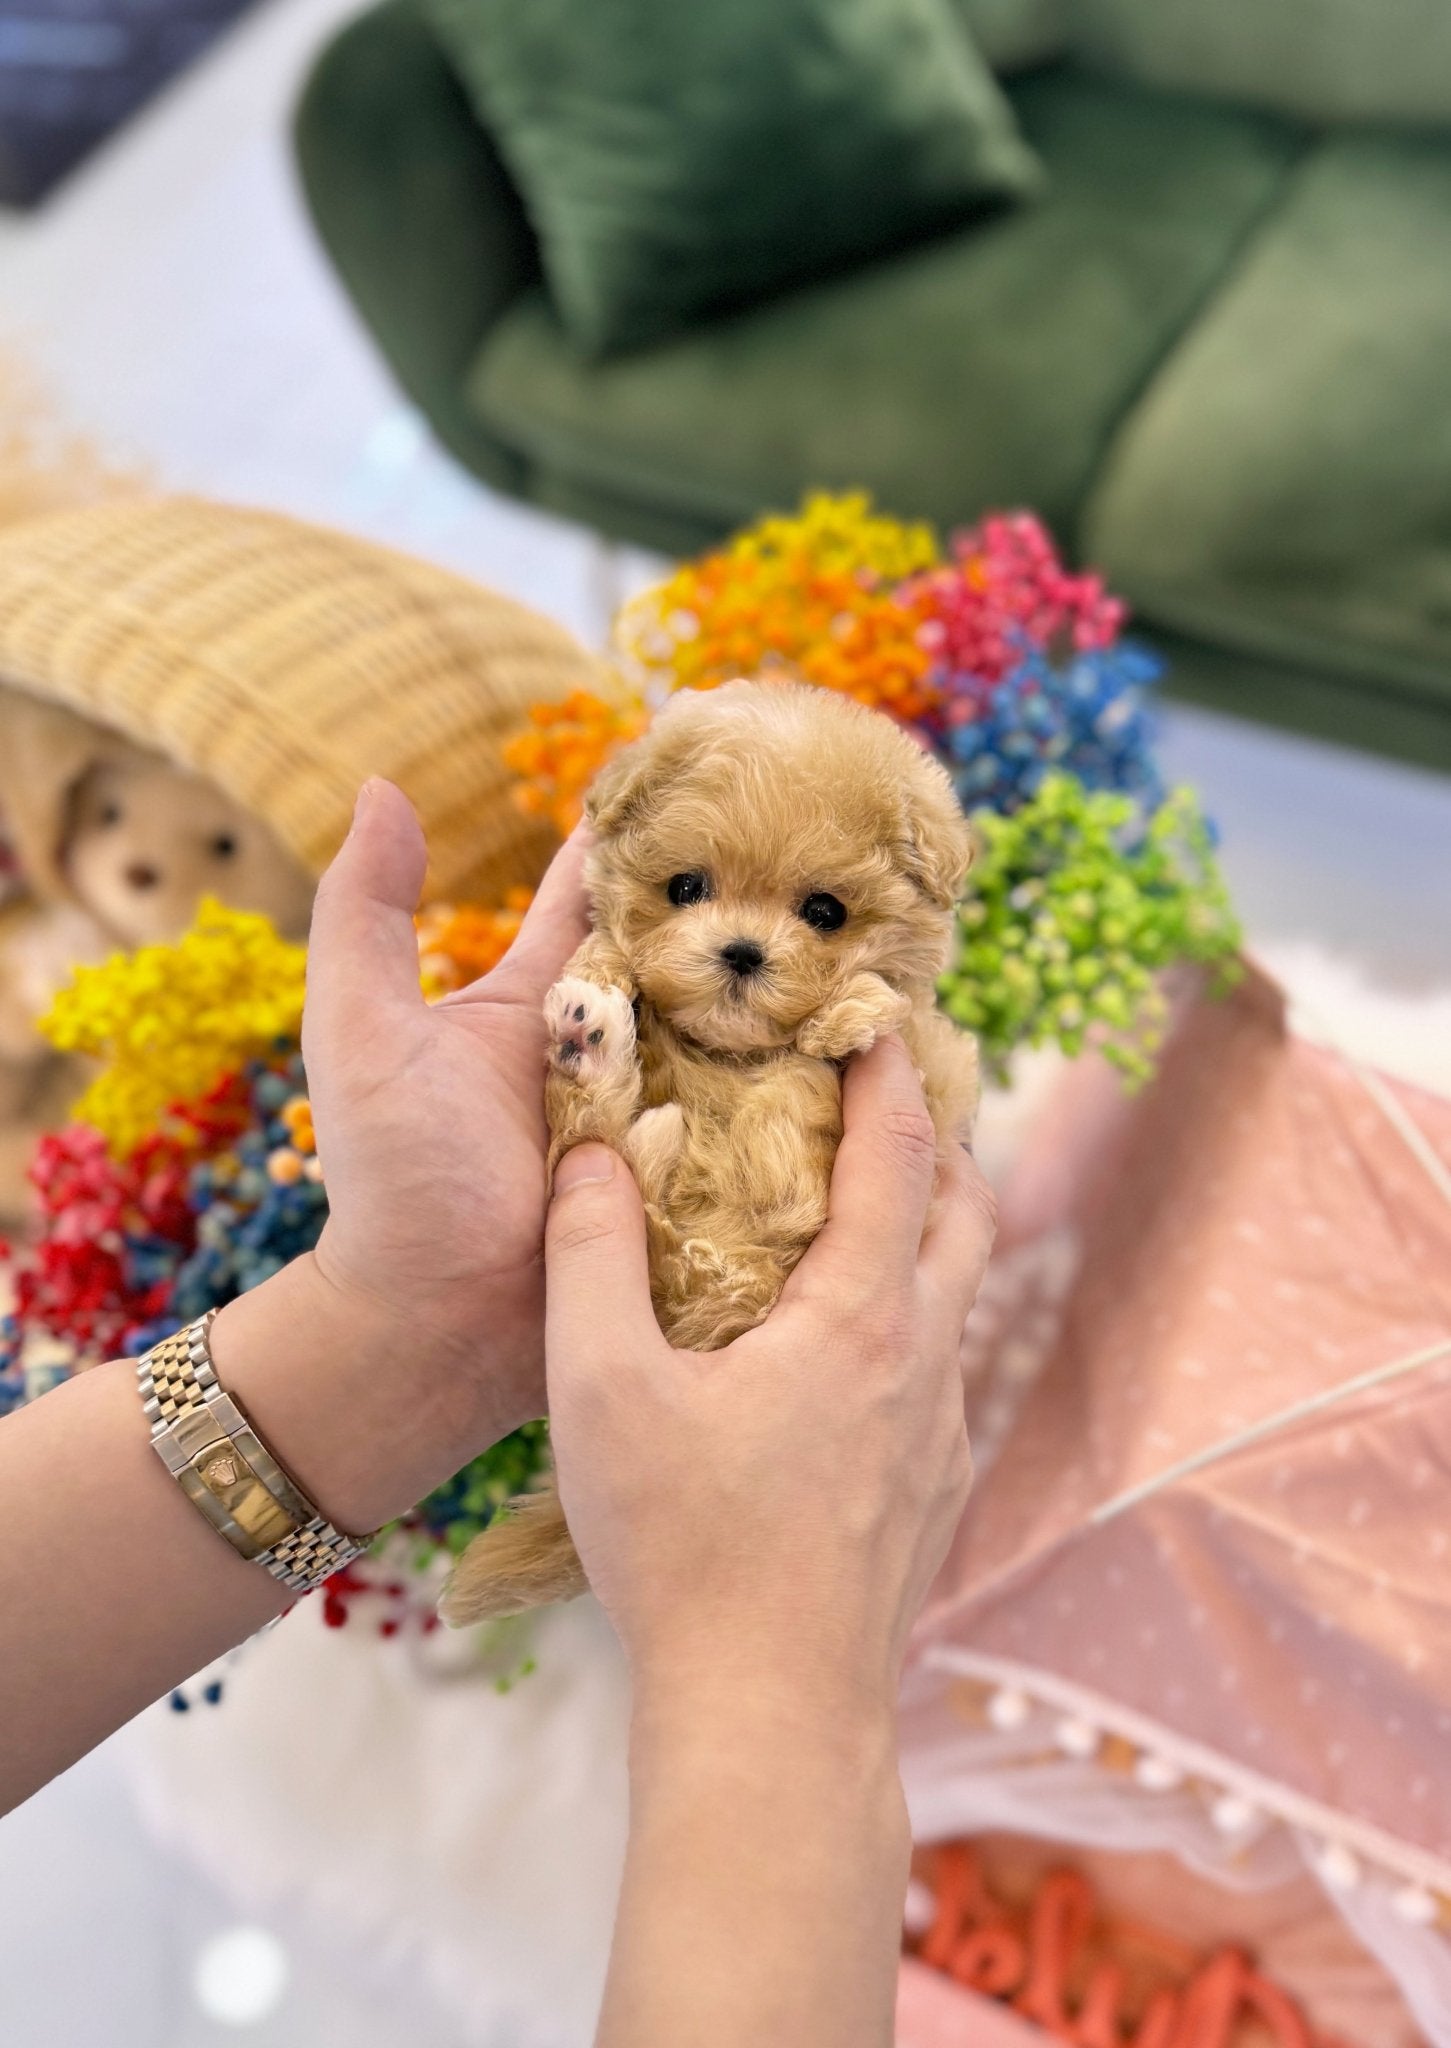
{"type": "Point", "coordinates": [813, 596]}
{"type": "Point", "coordinates": [170, 1021]}
{"type": "Point", "coordinates": [841, 533]}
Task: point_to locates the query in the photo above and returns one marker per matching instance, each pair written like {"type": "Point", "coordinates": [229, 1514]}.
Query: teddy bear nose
{"type": "Point", "coordinates": [141, 875]}
{"type": "Point", "coordinates": [742, 956]}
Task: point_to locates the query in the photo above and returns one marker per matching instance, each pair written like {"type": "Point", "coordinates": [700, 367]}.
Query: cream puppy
{"type": "Point", "coordinates": [772, 884]}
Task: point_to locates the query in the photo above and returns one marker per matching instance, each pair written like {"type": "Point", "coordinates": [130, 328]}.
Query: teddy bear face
{"type": "Point", "coordinates": [145, 841]}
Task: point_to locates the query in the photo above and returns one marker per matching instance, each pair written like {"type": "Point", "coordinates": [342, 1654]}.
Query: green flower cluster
{"type": "Point", "coordinates": [1073, 908]}
{"type": "Point", "coordinates": [466, 1504]}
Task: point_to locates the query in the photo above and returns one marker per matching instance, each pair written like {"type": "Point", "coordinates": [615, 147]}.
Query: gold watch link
{"type": "Point", "coordinates": [205, 1440]}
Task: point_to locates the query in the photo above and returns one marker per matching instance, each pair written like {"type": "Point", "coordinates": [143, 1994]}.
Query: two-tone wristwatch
{"type": "Point", "coordinates": [204, 1438]}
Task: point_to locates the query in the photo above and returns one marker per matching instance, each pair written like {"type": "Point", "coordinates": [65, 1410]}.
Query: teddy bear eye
{"type": "Point", "coordinates": [822, 912]}
{"type": "Point", "coordinates": [692, 886]}
{"type": "Point", "coordinates": [111, 812]}
{"type": "Point", "coordinates": [224, 846]}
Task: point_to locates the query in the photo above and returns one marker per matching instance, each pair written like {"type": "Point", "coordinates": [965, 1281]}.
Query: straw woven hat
{"type": "Point", "coordinates": [288, 663]}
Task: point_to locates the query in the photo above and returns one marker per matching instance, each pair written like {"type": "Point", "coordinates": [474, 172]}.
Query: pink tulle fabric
{"type": "Point", "coordinates": [1253, 1230]}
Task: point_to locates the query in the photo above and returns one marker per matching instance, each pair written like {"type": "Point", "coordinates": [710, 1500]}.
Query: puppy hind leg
{"type": "Point", "coordinates": [652, 1146]}
{"type": "Point", "coordinates": [526, 1558]}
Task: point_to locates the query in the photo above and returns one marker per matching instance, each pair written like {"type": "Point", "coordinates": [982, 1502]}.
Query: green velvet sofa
{"type": "Point", "coordinates": [1215, 355]}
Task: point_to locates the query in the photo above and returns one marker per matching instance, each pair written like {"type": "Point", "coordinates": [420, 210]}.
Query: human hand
{"type": "Point", "coordinates": [766, 1519]}
{"type": "Point", "coordinates": [426, 1290]}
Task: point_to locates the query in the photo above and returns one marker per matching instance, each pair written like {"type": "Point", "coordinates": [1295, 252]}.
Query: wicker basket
{"type": "Point", "coordinates": [288, 663]}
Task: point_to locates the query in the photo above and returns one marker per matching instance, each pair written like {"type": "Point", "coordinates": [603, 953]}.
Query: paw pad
{"type": "Point", "coordinates": [589, 1028]}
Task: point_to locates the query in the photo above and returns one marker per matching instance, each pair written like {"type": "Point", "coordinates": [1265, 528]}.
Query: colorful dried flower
{"type": "Point", "coordinates": [1072, 910]}
{"type": "Point", "coordinates": [458, 942]}
{"type": "Point", "coordinates": [169, 1021]}
{"type": "Point", "coordinates": [564, 746]}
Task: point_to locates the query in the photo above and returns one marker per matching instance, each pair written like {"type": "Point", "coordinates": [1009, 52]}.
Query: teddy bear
{"type": "Point", "coordinates": [113, 846]}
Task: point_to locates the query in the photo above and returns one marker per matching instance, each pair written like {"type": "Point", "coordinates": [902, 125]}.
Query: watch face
{"type": "Point", "coordinates": [228, 1476]}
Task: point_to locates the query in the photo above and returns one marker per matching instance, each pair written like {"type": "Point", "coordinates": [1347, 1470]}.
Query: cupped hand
{"type": "Point", "coordinates": [770, 1516]}
{"type": "Point", "coordinates": [430, 1125]}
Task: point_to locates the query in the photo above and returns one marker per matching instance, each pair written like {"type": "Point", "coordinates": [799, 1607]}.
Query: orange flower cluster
{"type": "Point", "coordinates": [786, 615]}
{"type": "Point", "coordinates": [812, 597]}
{"type": "Point", "coordinates": [457, 942]}
{"type": "Point", "coordinates": [563, 748]}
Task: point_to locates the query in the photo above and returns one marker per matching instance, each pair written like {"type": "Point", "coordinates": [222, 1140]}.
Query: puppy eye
{"type": "Point", "coordinates": [224, 846]}
{"type": "Point", "coordinates": [693, 886]}
{"type": "Point", "coordinates": [823, 913]}
{"type": "Point", "coordinates": [111, 813]}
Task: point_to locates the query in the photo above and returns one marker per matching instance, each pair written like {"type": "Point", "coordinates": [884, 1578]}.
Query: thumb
{"type": "Point", "coordinates": [362, 949]}
{"type": "Point", "coordinates": [597, 1280]}
{"type": "Point", "coordinates": [555, 925]}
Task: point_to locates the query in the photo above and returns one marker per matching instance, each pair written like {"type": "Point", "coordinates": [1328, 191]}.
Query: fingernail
{"type": "Point", "coordinates": [584, 1164]}
{"type": "Point", "coordinates": [360, 802]}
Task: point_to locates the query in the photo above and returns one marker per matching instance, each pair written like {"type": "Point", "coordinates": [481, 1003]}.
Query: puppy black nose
{"type": "Point", "coordinates": [742, 956]}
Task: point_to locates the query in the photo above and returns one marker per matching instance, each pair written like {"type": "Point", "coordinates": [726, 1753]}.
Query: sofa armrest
{"type": "Point", "coordinates": [417, 212]}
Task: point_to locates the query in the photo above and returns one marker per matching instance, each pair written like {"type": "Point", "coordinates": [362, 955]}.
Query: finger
{"type": "Point", "coordinates": [959, 1236]}
{"type": "Point", "coordinates": [597, 1280]}
{"type": "Point", "coordinates": [362, 950]}
{"type": "Point", "coordinates": [556, 925]}
{"type": "Point", "coordinates": [881, 1182]}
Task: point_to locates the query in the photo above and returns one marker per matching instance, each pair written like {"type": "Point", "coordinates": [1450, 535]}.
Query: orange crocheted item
{"type": "Point", "coordinates": [1094, 1982]}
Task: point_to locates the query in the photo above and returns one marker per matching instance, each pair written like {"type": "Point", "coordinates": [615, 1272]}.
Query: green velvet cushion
{"type": "Point", "coordinates": [987, 368]}
{"type": "Point", "coordinates": [1014, 34]}
{"type": "Point", "coordinates": [409, 195]}
{"type": "Point", "coordinates": [1284, 487]}
{"type": "Point", "coordinates": [1319, 60]}
{"type": "Point", "coordinates": [681, 156]}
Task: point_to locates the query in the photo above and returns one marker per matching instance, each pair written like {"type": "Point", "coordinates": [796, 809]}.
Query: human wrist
{"type": "Point", "coordinates": [775, 1753]}
{"type": "Point", "coordinates": [344, 1395]}
{"type": "Point", "coordinates": [785, 1709]}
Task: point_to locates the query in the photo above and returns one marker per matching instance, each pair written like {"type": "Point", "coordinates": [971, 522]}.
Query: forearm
{"type": "Point", "coordinates": [763, 1887]}
{"type": "Point", "coordinates": [112, 1586]}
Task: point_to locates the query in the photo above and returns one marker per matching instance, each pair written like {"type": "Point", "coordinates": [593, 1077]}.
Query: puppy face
{"type": "Point", "coordinates": [145, 842]}
{"type": "Point", "coordinates": [763, 843]}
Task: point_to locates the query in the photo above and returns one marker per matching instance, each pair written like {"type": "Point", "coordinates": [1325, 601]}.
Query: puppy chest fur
{"type": "Point", "coordinates": [734, 1160]}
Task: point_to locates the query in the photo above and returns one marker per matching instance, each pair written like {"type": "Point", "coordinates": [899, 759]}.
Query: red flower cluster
{"type": "Point", "coordinates": [397, 1598]}
{"type": "Point", "coordinates": [1006, 591]}
{"type": "Point", "coordinates": [87, 1275]}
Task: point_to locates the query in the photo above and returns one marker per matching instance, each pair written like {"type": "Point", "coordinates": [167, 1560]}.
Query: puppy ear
{"type": "Point", "coordinates": [938, 845]}
{"type": "Point", "coordinates": [46, 751]}
{"type": "Point", "coordinates": [629, 782]}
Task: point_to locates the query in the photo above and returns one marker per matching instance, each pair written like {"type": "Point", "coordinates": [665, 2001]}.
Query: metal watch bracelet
{"type": "Point", "coordinates": [205, 1440]}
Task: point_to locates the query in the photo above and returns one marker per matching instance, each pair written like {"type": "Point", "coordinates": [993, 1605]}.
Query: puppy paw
{"type": "Point", "coordinates": [591, 1029]}
{"type": "Point", "coordinates": [854, 1022]}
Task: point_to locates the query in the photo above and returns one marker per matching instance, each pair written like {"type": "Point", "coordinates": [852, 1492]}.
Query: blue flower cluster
{"type": "Point", "coordinates": [249, 1223]}
{"type": "Point", "coordinates": [1085, 716]}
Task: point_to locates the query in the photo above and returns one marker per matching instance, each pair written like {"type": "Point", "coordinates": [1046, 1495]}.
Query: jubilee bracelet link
{"type": "Point", "coordinates": [206, 1441]}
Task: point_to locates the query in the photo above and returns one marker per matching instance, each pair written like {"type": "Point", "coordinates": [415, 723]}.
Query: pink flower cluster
{"type": "Point", "coordinates": [1005, 593]}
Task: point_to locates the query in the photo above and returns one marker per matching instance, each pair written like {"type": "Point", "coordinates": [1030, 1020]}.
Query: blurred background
{"type": "Point", "coordinates": [1176, 277]}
